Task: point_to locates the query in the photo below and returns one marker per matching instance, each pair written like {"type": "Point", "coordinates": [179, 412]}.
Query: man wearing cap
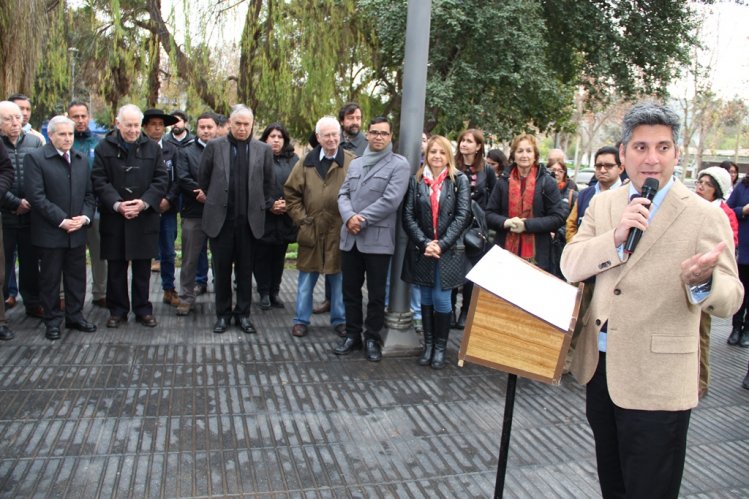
{"type": "Point", "coordinates": [180, 134]}
{"type": "Point", "coordinates": [131, 181]}
{"type": "Point", "coordinates": [155, 122]}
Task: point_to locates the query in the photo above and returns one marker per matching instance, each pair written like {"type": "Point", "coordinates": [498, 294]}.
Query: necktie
{"type": "Point", "coordinates": [66, 155]}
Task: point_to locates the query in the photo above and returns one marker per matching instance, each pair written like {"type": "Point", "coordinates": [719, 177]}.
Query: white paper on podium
{"type": "Point", "coordinates": [541, 294]}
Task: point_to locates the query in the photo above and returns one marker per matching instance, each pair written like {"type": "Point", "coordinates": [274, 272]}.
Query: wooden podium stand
{"type": "Point", "coordinates": [529, 340]}
{"type": "Point", "coordinates": [502, 336]}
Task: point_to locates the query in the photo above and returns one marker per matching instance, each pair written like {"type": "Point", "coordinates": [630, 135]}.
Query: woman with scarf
{"type": "Point", "coordinates": [436, 211]}
{"type": "Point", "coordinates": [525, 207]}
{"type": "Point", "coordinates": [270, 256]}
{"type": "Point", "coordinates": [470, 160]}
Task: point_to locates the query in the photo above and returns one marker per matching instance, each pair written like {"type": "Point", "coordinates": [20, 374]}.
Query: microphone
{"type": "Point", "coordinates": [649, 188]}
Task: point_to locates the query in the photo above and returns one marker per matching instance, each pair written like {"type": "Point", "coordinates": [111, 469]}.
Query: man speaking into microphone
{"type": "Point", "coordinates": [638, 354]}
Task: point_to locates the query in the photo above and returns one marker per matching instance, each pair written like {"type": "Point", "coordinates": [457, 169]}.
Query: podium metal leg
{"type": "Point", "coordinates": [504, 446]}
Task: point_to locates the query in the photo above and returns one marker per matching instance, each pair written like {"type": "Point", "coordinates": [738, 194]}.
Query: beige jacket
{"type": "Point", "coordinates": [653, 341]}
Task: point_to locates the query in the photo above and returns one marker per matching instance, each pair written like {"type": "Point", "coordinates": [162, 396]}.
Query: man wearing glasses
{"type": "Point", "coordinates": [608, 171]}
{"type": "Point", "coordinates": [368, 201]}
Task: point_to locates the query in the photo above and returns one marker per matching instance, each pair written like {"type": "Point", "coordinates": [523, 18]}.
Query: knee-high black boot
{"type": "Point", "coordinates": [441, 333]}
{"type": "Point", "coordinates": [427, 321]}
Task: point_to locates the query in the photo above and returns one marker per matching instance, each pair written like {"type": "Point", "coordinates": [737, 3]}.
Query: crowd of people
{"type": "Point", "coordinates": [641, 346]}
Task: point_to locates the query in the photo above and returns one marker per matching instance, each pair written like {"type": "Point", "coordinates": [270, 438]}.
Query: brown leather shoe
{"type": "Point", "coordinates": [322, 308]}
{"type": "Point", "coordinates": [114, 321]}
{"type": "Point", "coordinates": [37, 312]}
{"type": "Point", "coordinates": [101, 302]}
{"type": "Point", "coordinates": [10, 302]}
{"type": "Point", "coordinates": [156, 266]}
{"type": "Point", "coordinates": [340, 329]}
{"type": "Point", "coordinates": [171, 297]}
{"type": "Point", "coordinates": [299, 330]}
{"type": "Point", "coordinates": [146, 320]}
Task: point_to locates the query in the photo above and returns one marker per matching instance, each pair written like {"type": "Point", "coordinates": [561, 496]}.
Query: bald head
{"type": "Point", "coordinates": [11, 120]}
{"type": "Point", "coordinates": [556, 156]}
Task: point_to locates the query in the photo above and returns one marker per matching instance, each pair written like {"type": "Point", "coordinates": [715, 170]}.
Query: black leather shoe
{"type": "Point", "coordinates": [53, 333]}
{"type": "Point", "coordinates": [744, 338]}
{"type": "Point", "coordinates": [220, 326]}
{"type": "Point", "coordinates": [372, 350]}
{"type": "Point", "coordinates": [265, 302]}
{"type": "Point", "coordinates": [246, 325]}
{"type": "Point", "coordinates": [347, 346]}
{"type": "Point", "coordinates": [733, 338]}
{"type": "Point", "coordinates": [146, 320]}
{"type": "Point", "coordinates": [114, 321]}
{"type": "Point", "coordinates": [745, 383]}
{"type": "Point", "coordinates": [6, 334]}
{"type": "Point", "coordinates": [275, 302]}
{"type": "Point", "coordinates": [82, 325]}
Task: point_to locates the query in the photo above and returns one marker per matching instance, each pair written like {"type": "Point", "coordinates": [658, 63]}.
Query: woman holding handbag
{"type": "Point", "coordinates": [469, 159]}
{"type": "Point", "coordinates": [436, 212]}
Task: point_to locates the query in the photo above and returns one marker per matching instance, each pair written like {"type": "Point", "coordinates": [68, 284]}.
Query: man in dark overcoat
{"type": "Point", "coordinates": [130, 180]}
{"type": "Point", "coordinates": [7, 174]}
{"type": "Point", "coordinates": [237, 177]}
{"type": "Point", "coordinates": [58, 187]}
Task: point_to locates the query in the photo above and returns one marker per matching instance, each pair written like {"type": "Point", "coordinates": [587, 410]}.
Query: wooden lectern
{"type": "Point", "coordinates": [501, 335]}
{"type": "Point", "coordinates": [520, 321]}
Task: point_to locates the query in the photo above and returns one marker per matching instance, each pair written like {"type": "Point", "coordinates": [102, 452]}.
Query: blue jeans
{"type": "Point", "coordinates": [439, 298]}
{"type": "Point", "coordinates": [305, 287]}
{"type": "Point", "coordinates": [167, 237]}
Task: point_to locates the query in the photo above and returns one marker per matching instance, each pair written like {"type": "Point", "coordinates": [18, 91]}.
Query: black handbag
{"type": "Point", "coordinates": [475, 239]}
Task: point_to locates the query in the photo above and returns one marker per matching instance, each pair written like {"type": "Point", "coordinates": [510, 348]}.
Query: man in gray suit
{"type": "Point", "coordinates": [236, 175]}
{"type": "Point", "coordinates": [368, 202]}
{"type": "Point", "coordinates": [58, 187]}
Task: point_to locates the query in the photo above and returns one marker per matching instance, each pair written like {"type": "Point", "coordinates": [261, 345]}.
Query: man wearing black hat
{"type": "Point", "coordinates": [130, 181]}
{"type": "Point", "coordinates": [154, 126]}
{"type": "Point", "coordinates": [180, 134]}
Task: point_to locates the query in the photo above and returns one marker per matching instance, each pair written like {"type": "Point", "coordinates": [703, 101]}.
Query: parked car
{"type": "Point", "coordinates": [583, 177]}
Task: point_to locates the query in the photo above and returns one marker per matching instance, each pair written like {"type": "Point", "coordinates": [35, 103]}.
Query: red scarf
{"type": "Point", "coordinates": [435, 186]}
{"type": "Point", "coordinates": [520, 204]}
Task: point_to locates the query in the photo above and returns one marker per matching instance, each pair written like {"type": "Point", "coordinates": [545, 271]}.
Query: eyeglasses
{"type": "Point", "coordinates": [378, 133]}
{"type": "Point", "coordinates": [704, 183]}
{"type": "Point", "coordinates": [605, 166]}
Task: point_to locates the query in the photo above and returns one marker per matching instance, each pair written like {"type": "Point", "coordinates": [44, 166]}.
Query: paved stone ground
{"type": "Point", "coordinates": [177, 411]}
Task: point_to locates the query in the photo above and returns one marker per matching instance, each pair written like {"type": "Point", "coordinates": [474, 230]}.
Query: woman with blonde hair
{"type": "Point", "coordinates": [525, 207]}
{"type": "Point", "coordinates": [436, 211]}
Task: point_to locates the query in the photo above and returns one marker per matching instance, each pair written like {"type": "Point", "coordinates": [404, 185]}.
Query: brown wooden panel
{"type": "Point", "coordinates": [502, 336]}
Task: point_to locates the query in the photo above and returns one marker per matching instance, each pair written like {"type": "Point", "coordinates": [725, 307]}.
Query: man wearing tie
{"type": "Point", "coordinates": [58, 187]}
{"type": "Point", "coordinates": [638, 353]}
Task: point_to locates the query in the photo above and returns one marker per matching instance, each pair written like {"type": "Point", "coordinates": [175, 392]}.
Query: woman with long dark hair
{"type": "Point", "coordinates": [525, 207]}
{"type": "Point", "coordinates": [436, 211]}
{"type": "Point", "coordinates": [469, 159]}
{"type": "Point", "coordinates": [270, 255]}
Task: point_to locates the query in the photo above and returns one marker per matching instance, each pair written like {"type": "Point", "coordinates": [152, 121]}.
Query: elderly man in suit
{"type": "Point", "coordinates": [638, 353]}
{"type": "Point", "coordinates": [58, 186]}
{"type": "Point", "coordinates": [236, 175]}
{"type": "Point", "coordinates": [368, 202]}
{"type": "Point", "coordinates": [130, 180]}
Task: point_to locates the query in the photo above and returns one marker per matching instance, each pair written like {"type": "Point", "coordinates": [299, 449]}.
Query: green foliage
{"type": "Point", "coordinates": [52, 84]}
{"type": "Point", "coordinates": [514, 65]}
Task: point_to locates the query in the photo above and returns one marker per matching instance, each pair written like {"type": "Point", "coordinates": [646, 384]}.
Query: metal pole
{"type": "Point", "coordinates": [400, 339]}
{"type": "Point", "coordinates": [504, 446]}
{"type": "Point", "coordinates": [72, 51]}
